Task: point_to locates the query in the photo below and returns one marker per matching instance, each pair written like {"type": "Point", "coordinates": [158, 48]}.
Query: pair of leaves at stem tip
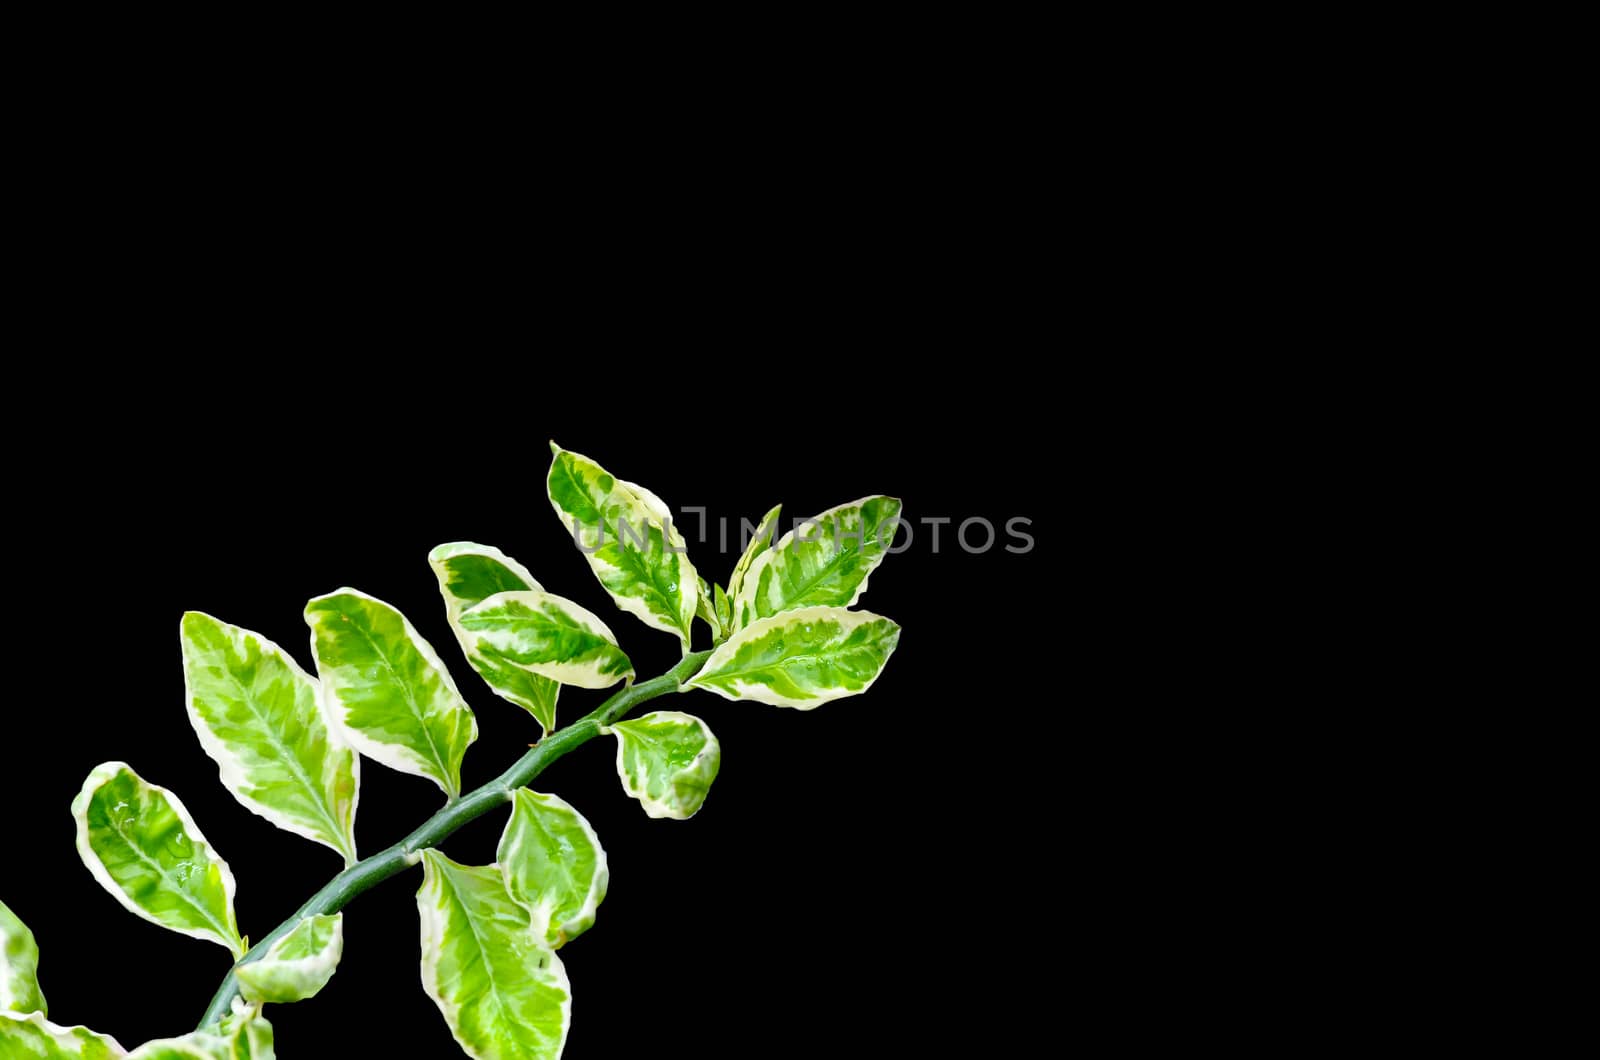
{"type": "Point", "coordinates": [793, 642]}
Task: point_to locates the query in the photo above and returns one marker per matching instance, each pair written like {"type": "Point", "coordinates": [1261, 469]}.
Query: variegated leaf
{"type": "Point", "coordinates": [246, 1034]}
{"type": "Point", "coordinates": [667, 761]}
{"type": "Point", "coordinates": [706, 608]}
{"type": "Point", "coordinates": [141, 845]}
{"type": "Point", "coordinates": [260, 718]}
{"type": "Point", "coordinates": [553, 865]}
{"type": "Point", "coordinates": [502, 993]}
{"type": "Point", "coordinates": [469, 573]}
{"type": "Point", "coordinates": [387, 688]}
{"type": "Point", "coordinates": [547, 635]}
{"type": "Point", "coordinates": [296, 966]}
{"type": "Point", "coordinates": [754, 549]}
{"type": "Point", "coordinates": [824, 561]}
{"type": "Point", "coordinates": [19, 967]}
{"type": "Point", "coordinates": [801, 658]}
{"type": "Point", "coordinates": [724, 607]}
{"type": "Point", "coordinates": [31, 1035]}
{"type": "Point", "coordinates": [626, 534]}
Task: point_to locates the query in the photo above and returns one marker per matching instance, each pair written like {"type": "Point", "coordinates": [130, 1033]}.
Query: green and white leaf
{"type": "Point", "coordinates": [724, 608]}
{"type": "Point", "coordinates": [468, 574]}
{"type": "Point", "coordinates": [387, 688]}
{"type": "Point", "coordinates": [626, 534]}
{"type": "Point", "coordinates": [502, 993]}
{"type": "Point", "coordinates": [31, 1035]}
{"type": "Point", "coordinates": [754, 549]}
{"type": "Point", "coordinates": [260, 718]}
{"type": "Point", "coordinates": [19, 967]}
{"type": "Point", "coordinates": [553, 865]}
{"type": "Point", "coordinates": [824, 561]}
{"type": "Point", "coordinates": [706, 608]}
{"type": "Point", "coordinates": [298, 965]}
{"type": "Point", "coordinates": [667, 761]}
{"type": "Point", "coordinates": [801, 658]}
{"type": "Point", "coordinates": [547, 635]}
{"type": "Point", "coordinates": [244, 1035]}
{"type": "Point", "coordinates": [140, 844]}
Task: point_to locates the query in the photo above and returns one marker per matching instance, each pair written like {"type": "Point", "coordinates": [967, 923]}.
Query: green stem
{"type": "Point", "coordinates": [369, 872]}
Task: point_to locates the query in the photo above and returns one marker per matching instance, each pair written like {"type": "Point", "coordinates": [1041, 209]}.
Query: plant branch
{"type": "Point", "coordinates": [369, 872]}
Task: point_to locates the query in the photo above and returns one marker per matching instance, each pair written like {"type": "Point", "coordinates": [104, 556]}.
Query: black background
{"type": "Point", "coordinates": [876, 864]}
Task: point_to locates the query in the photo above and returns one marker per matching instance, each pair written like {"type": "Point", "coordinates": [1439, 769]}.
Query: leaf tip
{"type": "Point", "coordinates": [318, 603]}
{"type": "Point", "coordinates": [102, 773]}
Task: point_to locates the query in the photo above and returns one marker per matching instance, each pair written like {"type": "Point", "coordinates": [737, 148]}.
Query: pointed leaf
{"type": "Point", "coordinates": [724, 607]}
{"type": "Point", "coordinates": [553, 865]}
{"type": "Point", "coordinates": [386, 686]}
{"type": "Point", "coordinates": [469, 573]}
{"type": "Point", "coordinates": [626, 534]}
{"type": "Point", "coordinates": [823, 561]}
{"type": "Point", "coordinates": [260, 718]}
{"type": "Point", "coordinates": [298, 965]}
{"type": "Point", "coordinates": [667, 761]}
{"type": "Point", "coordinates": [801, 658]}
{"type": "Point", "coordinates": [502, 993]}
{"type": "Point", "coordinates": [34, 1036]}
{"type": "Point", "coordinates": [754, 550]}
{"type": "Point", "coordinates": [706, 608]}
{"type": "Point", "coordinates": [547, 635]}
{"type": "Point", "coordinates": [141, 845]}
{"type": "Point", "coordinates": [19, 967]}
